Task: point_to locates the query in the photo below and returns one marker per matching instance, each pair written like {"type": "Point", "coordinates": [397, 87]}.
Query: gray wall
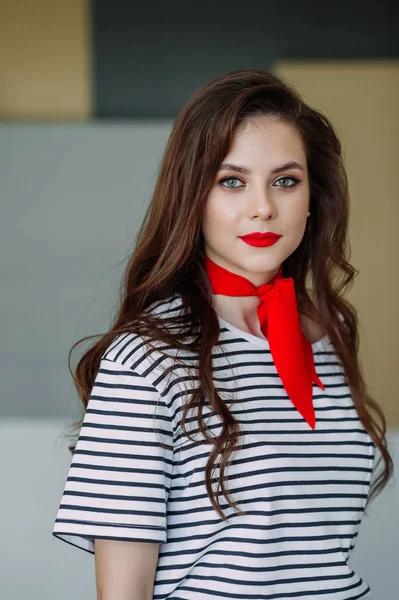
{"type": "Point", "coordinates": [72, 197]}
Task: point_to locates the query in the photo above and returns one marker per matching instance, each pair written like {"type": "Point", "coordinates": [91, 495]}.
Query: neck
{"type": "Point", "coordinates": [254, 277]}
{"type": "Point", "coordinates": [240, 311]}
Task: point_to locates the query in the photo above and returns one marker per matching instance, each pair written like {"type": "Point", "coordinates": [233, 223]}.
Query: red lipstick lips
{"type": "Point", "coordinates": [260, 239]}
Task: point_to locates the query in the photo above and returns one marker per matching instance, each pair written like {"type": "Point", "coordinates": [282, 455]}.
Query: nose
{"type": "Point", "coordinates": [261, 205]}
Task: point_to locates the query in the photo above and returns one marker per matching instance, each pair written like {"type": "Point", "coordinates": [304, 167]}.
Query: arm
{"type": "Point", "coordinates": [125, 570]}
{"type": "Point", "coordinates": [115, 497]}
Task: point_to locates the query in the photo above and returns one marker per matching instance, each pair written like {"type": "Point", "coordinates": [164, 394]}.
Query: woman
{"type": "Point", "coordinates": [228, 442]}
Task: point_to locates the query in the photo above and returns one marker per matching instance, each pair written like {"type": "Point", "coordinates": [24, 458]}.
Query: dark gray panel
{"type": "Point", "coordinates": [150, 57]}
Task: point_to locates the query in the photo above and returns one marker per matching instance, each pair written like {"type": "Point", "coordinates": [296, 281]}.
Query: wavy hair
{"type": "Point", "coordinates": [168, 258]}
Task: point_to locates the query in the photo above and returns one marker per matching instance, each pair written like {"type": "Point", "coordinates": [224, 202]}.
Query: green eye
{"type": "Point", "coordinates": [294, 182]}
{"type": "Point", "coordinates": [293, 179]}
{"type": "Point", "coordinates": [222, 181]}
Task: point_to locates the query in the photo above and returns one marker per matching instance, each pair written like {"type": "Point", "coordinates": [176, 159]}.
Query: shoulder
{"type": "Point", "coordinates": [133, 350]}
{"type": "Point", "coordinates": [166, 307]}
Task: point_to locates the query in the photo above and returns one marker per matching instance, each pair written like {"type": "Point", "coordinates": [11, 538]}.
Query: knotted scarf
{"type": "Point", "coordinates": [279, 321]}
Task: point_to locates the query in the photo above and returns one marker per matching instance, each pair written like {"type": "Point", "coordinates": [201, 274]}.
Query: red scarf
{"type": "Point", "coordinates": [279, 320]}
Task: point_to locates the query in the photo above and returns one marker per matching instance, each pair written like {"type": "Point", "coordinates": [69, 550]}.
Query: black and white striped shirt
{"type": "Point", "coordinates": [134, 476]}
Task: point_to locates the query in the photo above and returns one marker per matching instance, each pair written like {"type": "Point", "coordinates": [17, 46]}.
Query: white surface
{"type": "Point", "coordinates": [34, 461]}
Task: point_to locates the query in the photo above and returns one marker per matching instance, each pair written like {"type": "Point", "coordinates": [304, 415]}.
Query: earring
{"type": "Point", "coordinates": [308, 213]}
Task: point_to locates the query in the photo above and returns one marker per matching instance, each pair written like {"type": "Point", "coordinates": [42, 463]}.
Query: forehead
{"type": "Point", "coordinates": [270, 134]}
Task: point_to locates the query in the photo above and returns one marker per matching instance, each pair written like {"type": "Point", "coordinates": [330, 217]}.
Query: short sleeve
{"type": "Point", "coordinates": [119, 478]}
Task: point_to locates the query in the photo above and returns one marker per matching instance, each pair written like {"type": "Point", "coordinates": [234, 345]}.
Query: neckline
{"type": "Point", "coordinates": [263, 342]}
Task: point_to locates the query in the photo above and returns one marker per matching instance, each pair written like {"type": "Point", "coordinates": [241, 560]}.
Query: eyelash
{"type": "Point", "coordinates": [229, 189]}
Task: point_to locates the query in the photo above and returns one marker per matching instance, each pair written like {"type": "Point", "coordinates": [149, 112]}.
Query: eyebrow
{"type": "Point", "coordinates": [293, 164]}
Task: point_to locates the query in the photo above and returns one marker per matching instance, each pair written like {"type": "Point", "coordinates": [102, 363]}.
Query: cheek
{"type": "Point", "coordinates": [296, 224]}
{"type": "Point", "coordinates": [295, 214]}
{"type": "Point", "coordinates": [218, 217]}
{"type": "Point", "coordinates": [207, 222]}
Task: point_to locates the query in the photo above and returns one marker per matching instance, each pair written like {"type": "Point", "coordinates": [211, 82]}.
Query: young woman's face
{"type": "Point", "coordinates": [259, 200]}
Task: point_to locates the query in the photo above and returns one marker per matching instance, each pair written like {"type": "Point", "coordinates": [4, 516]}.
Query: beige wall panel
{"type": "Point", "coordinates": [45, 70]}
{"type": "Point", "coordinates": [362, 101]}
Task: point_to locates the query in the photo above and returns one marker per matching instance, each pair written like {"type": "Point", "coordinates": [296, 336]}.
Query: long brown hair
{"type": "Point", "coordinates": [169, 254]}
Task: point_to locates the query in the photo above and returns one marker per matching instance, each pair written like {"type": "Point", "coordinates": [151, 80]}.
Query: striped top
{"type": "Point", "coordinates": [135, 476]}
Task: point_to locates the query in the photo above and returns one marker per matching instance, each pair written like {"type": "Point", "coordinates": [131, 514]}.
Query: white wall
{"type": "Point", "coordinates": [34, 462]}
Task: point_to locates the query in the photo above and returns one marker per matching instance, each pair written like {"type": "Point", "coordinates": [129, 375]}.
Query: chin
{"type": "Point", "coordinates": [261, 264]}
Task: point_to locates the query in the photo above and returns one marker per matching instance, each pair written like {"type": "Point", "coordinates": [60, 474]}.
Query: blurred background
{"type": "Point", "coordinates": [88, 95]}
